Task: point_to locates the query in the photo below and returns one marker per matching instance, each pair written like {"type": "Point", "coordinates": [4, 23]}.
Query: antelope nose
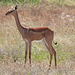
{"type": "Point", "coordinates": [6, 14]}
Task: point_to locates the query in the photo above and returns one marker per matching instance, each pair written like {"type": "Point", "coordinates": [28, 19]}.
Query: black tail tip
{"type": "Point", "coordinates": [55, 43]}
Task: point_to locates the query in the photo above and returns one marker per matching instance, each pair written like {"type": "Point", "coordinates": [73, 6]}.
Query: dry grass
{"type": "Point", "coordinates": [59, 19]}
{"type": "Point", "coordinates": [37, 68]}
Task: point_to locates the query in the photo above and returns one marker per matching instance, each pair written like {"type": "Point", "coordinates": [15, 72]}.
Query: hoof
{"type": "Point", "coordinates": [55, 67]}
{"type": "Point", "coordinates": [24, 65]}
{"type": "Point", "coordinates": [49, 68]}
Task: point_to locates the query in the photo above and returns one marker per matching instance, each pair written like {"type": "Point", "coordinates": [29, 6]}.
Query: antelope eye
{"type": "Point", "coordinates": [11, 11]}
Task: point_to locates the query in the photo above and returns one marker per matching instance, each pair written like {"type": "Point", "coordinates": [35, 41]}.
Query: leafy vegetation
{"type": "Point", "coordinates": [36, 2]}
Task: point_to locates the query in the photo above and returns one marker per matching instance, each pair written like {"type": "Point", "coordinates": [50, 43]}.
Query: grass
{"type": "Point", "coordinates": [12, 47]}
{"type": "Point", "coordinates": [36, 2]}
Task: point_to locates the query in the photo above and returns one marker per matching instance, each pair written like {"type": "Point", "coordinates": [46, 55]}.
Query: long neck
{"type": "Point", "coordinates": [20, 28]}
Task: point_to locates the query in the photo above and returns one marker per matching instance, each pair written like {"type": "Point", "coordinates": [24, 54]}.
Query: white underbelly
{"type": "Point", "coordinates": [38, 40]}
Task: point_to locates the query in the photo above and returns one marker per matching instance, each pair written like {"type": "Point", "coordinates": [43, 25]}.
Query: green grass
{"type": "Point", "coordinates": [36, 2]}
{"type": "Point", "coordinates": [63, 2]}
{"type": "Point", "coordinates": [28, 73]}
{"type": "Point", "coordinates": [40, 55]}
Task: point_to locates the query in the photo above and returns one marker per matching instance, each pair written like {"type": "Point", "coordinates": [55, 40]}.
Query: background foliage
{"type": "Point", "coordinates": [36, 2]}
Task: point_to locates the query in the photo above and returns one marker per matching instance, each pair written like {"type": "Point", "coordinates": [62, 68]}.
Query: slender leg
{"type": "Point", "coordinates": [55, 60]}
{"type": "Point", "coordinates": [30, 53]}
{"type": "Point", "coordinates": [49, 38]}
{"type": "Point", "coordinates": [55, 57]}
{"type": "Point", "coordinates": [50, 51]}
{"type": "Point", "coordinates": [26, 51]}
{"type": "Point", "coordinates": [51, 55]}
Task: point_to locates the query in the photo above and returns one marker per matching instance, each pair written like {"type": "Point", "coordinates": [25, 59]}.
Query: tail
{"type": "Point", "coordinates": [55, 43]}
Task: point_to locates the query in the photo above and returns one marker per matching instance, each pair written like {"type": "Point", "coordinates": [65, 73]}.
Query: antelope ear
{"type": "Point", "coordinates": [16, 7]}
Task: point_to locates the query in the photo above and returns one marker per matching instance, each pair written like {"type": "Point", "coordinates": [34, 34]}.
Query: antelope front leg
{"type": "Point", "coordinates": [30, 52]}
{"type": "Point", "coordinates": [26, 51]}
